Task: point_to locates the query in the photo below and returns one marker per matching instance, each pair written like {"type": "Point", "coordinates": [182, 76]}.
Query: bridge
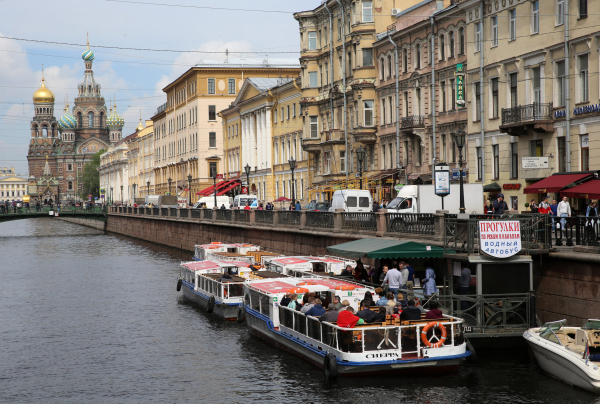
{"type": "Point", "coordinates": [95, 213]}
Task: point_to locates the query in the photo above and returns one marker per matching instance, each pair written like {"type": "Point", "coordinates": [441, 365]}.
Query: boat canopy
{"type": "Point", "coordinates": [378, 248]}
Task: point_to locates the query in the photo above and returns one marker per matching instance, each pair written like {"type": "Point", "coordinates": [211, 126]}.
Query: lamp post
{"type": "Point", "coordinates": [360, 156]}
{"type": "Point", "coordinates": [459, 140]}
{"type": "Point", "coordinates": [169, 181]}
{"type": "Point", "coordinates": [292, 163]}
{"type": "Point", "coordinates": [121, 194]}
{"type": "Point", "coordinates": [214, 176]}
{"type": "Point", "coordinates": [148, 187]}
{"type": "Point", "coordinates": [111, 195]}
{"type": "Point", "coordinates": [134, 187]}
{"type": "Point", "coordinates": [190, 189]}
{"type": "Point", "coordinates": [247, 170]}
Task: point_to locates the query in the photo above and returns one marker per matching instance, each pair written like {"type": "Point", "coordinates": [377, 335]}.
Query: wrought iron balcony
{"type": "Point", "coordinates": [518, 120]}
{"type": "Point", "coordinates": [414, 121]}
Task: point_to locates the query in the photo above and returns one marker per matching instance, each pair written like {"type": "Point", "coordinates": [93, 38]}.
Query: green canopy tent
{"type": "Point", "coordinates": [390, 249]}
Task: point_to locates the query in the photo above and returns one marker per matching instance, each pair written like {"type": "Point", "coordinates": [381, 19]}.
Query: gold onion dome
{"type": "Point", "coordinates": [42, 94]}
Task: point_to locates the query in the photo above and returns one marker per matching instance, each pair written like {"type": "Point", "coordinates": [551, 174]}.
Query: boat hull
{"type": "Point", "coordinates": [262, 327]}
{"type": "Point", "coordinates": [227, 311]}
{"type": "Point", "coordinates": [561, 366]}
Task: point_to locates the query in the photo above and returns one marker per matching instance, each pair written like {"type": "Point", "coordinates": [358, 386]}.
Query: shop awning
{"type": "Point", "coordinates": [587, 190]}
{"type": "Point", "coordinates": [555, 183]}
{"type": "Point", "coordinates": [231, 185]}
{"type": "Point", "coordinates": [493, 187]}
{"type": "Point", "coordinates": [378, 248]}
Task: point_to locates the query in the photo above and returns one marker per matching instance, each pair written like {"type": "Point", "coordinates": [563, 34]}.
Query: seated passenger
{"type": "Point", "coordinates": [317, 310]}
{"type": "Point", "coordinates": [347, 319]}
{"type": "Point", "coordinates": [286, 300]}
{"type": "Point", "coordinates": [411, 312]}
{"type": "Point", "coordinates": [434, 312]}
{"type": "Point", "coordinates": [331, 316]}
{"type": "Point", "coordinates": [293, 304]}
{"type": "Point", "coordinates": [225, 278]}
{"type": "Point", "coordinates": [371, 316]}
{"type": "Point", "coordinates": [382, 299]}
{"type": "Point", "coordinates": [336, 305]}
{"type": "Point", "coordinates": [368, 300]}
{"type": "Point", "coordinates": [347, 271]}
{"type": "Point", "coordinates": [309, 305]}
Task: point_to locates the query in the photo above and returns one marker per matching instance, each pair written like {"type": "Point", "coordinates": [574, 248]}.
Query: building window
{"type": "Point", "coordinates": [537, 88]}
{"type": "Point", "coordinates": [418, 57]}
{"type": "Point", "coordinates": [418, 151]}
{"type": "Point", "coordinates": [339, 26]}
{"type": "Point", "coordinates": [367, 11]}
{"type": "Point", "coordinates": [312, 40]}
{"type": "Point", "coordinates": [312, 80]}
{"type": "Point", "coordinates": [368, 113]}
{"type": "Point", "coordinates": [90, 119]}
{"type": "Point", "coordinates": [477, 28]}
{"type": "Point", "coordinates": [405, 97]}
{"type": "Point", "coordinates": [536, 148]}
{"type": "Point", "coordinates": [477, 101]}
{"type": "Point", "coordinates": [327, 163]}
{"type": "Point", "coordinates": [461, 45]}
{"type": "Point", "coordinates": [342, 161]}
{"type": "Point", "coordinates": [512, 80]}
{"type": "Point", "coordinates": [495, 106]}
{"type": "Point", "coordinates": [451, 36]}
{"type": "Point", "coordinates": [274, 115]}
{"type": "Point", "coordinates": [282, 114]}
{"type": "Point", "coordinates": [560, 12]}
{"type": "Point", "coordinates": [443, 95]}
{"type": "Point", "coordinates": [444, 147]}
{"type": "Point", "coordinates": [293, 110]}
{"type": "Point", "coordinates": [405, 60]}
{"type": "Point", "coordinates": [367, 57]}
{"type": "Point", "coordinates": [478, 153]}
{"type": "Point", "coordinates": [231, 86]}
{"type": "Point", "coordinates": [212, 139]}
{"type": "Point", "coordinates": [211, 86]}
{"type": "Point", "coordinates": [535, 17]}
{"type": "Point", "coordinates": [382, 69]}
{"type": "Point", "coordinates": [495, 31]}
{"type": "Point", "coordinates": [585, 152]}
{"type": "Point", "coordinates": [496, 154]}
{"type": "Point", "coordinates": [288, 112]}
{"type": "Point", "coordinates": [512, 27]}
{"type": "Point", "coordinates": [562, 154]}
{"type": "Point", "coordinates": [314, 127]}
{"type": "Point", "coordinates": [212, 167]}
{"type": "Point", "coordinates": [383, 117]}
{"type": "Point", "coordinates": [389, 66]}
{"type": "Point", "coordinates": [212, 113]}
{"type": "Point", "coordinates": [70, 185]}
{"type": "Point", "coordinates": [583, 13]}
{"type": "Point", "coordinates": [391, 109]}
{"type": "Point", "coordinates": [560, 83]}
{"type": "Point", "coordinates": [443, 47]}
{"type": "Point", "coordinates": [514, 160]}
{"type": "Point", "coordinates": [418, 101]}
{"type": "Point", "coordinates": [583, 78]}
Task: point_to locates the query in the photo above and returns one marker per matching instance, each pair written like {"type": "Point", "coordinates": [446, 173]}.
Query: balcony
{"type": "Point", "coordinates": [520, 120]}
{"type": "Point", "coordinates": [365, 135]}
{"type": "Point", "coordinates": [412, 122]}
{"type": "Point", "coordinates": [333, 136]}
{"type": "Point", "coordinates": [312, 145]}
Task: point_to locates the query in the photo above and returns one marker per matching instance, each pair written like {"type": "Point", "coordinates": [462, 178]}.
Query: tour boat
{"type": "Point", "coordinates": [570, 354]}
{"type": "Point", "coordinates": [199, 281]}
{"type": "Point", "coordinates": [407, 347]}
{"type": "Point", "coordinates": [293, 265]}
{"type": "Point", "coordinates": [228, 256]}
{"type": "Point", "coordinates": [200, 250]}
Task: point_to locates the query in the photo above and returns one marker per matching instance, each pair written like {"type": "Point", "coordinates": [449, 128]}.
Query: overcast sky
{"type": "Point", "coordinates": [135, 78]}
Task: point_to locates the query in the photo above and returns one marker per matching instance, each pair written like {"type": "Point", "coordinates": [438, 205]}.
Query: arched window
{"type": "Point", "coordinates": [102, 119]}
{"type": "Point", "coordinates": [44, 131]}
{"type": "Point", "coordinates": [89, 89]}
{"type": "Point", "coordinates": [91, 119]}
{"type": "Point", "coordinates": [80, 119]}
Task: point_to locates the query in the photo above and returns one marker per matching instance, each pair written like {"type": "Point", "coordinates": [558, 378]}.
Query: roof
{"type": "Point", "coordinates": [263, 83]}
{"type": "Point", "coordinates": [493, 187]}
{"type": "Point", "coordinates": [289, 261]}
{"type": "Point", "coordinates": [587, 190]}
{"type": "Point", "coordinates": [234, 264]}
{"type": "Point", "coordinates": [199, 265]}
{"type": "Point", "coordinates": [555, 183]}
{"type": "Point", "coordinates": [378, 248]}
{"type": "Point", "coordinates": [278, 286]}
{"type": "Point", "coordinates": [322, 259]}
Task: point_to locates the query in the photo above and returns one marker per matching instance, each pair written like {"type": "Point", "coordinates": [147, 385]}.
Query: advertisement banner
{"type": "Point", "coordinates": [441, 179]}
{"type": "Point", "coordinates": [500, 239]}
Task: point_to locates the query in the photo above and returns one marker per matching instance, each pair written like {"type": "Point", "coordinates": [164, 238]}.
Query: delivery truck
{"type": "Point", "coordinates": [422, 199]}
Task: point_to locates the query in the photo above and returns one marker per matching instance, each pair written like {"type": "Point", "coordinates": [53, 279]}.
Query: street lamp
{"type": "Point", "coordinates": [360, 155]}
{"type": "Point", "coordinates": [169, 181]}
{"type": "Point", "coordinates": [111, 195]}
{"type": "Point", "coordinates": [214, 177]}
{"type": "Point", "coordinates": [121, 194]}
{"type": "Point", "coordinates": [459, 140]}
{"type": "Point", "coordinates": [292, 163]}
{"type": "Point", "coordinates": [247, 169]}
{"type": "Point", "coordinates": [148, 187]}
{"type": "Point", "coordinates": [190, 189]}
{"type": "Point", "coordinates": [134, 187]}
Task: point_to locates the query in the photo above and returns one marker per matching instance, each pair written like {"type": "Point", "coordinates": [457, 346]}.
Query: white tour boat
{"type": "Point", "coordinates": [291, 266]}
{"type": "Point", "coordinates": [571, 354]}
{"type": "Point", "coordinates": [201, 251]}
{"type": "Point", "coordinates": [390, 346]}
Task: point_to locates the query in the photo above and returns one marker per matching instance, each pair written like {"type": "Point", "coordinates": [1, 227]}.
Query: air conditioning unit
{"type": "Point", "coordinates": [396, 11]}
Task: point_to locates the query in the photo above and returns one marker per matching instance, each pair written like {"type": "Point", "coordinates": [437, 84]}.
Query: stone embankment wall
{"type": "Point", "coordinates": [184, 234]}
{"type": "Point", "coordinates": [567, 287]}
{"type": "Point", "coordinates": [96, 224]}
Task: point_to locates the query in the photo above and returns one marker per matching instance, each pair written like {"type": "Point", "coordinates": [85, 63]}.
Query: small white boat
{"type": "Point", "coordinates": [570, 354]}
{"type": "Point", "coordinates": [202, 251]}
{"type": "Point", "coordinates": [295, 266]}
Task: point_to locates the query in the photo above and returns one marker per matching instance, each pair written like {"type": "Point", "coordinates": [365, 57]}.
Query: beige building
{"type": "Point", "coordinates": [517, 123]}
{"type": "Point", "coordinates": [188, 135]}
{"type": "Point", "coordinates": [140, 160]}
{"type": "Point", "coordinates": [263, 130]}
{"type": "Point", "coordinates": [13, 188]}
{"type": "Point", "coordinates": [339, 101]}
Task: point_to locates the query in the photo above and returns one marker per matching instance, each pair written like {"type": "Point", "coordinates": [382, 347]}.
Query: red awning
{"type": "Point", "coordinates": [232, 185]}
{"type": "Point", "coordinates": [555, 183]}
{"type": "Point", "coordinates": [587, 190]}
{"type": "Point", "coordinates": [209, 191]}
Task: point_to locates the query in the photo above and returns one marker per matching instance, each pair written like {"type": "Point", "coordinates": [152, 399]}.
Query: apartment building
{"type": "Point", "coordinates": [421, 59]}
{"type": "Point", "coordinates": [525, 86]}
{"type": "Point", "coordinates": [188, 134]}
{"type": "Point", "coordinates": [140, 160]}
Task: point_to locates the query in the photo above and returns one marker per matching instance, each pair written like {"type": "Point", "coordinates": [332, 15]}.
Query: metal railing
{"type": "Point", "coordinates": [173, 212]}
{"type": "Point", "coordinates": [263, 216]}
{"type": "Point", "coordinates": [207, 214]}
{"type": "Point", "coordinates": [184, 213]}
{"type": "Point", "coordinates": [224, 214]}
{"type": "Point", "coordinates": [527, 113]}
{"type": "Point", "coordinates": [414, 223]}
{"type": "Point", "coordinates": [576, 230]}
{"type": "Point", "coordinates": [413, 121]}
{"type": "Point", "coordinates": [164, 211]}
{"type": "Point", "coordinates": [195, 213]}
{"type": "Point", "coordinates": [359, 221]}
{"type": "Point", "coordinates": [155, 211]}
{"type": "Point", "coordinates": [319, 219]}
{"type": "Point", "coordinates": [289, 217]}
{"type": "Point", "coordinates": [242, 215]}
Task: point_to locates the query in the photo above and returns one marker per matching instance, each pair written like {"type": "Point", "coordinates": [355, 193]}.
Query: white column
{"type": "Point", "coordinates": [253, 145]}
{"type": "Point", "coordinates": [269, 135]}
{"type": "Point", "coordinates": [259, 140]}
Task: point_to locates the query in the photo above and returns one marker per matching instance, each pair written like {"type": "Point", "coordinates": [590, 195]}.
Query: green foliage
{"type": "Point", "coordinates": [526, 204]}
{"type": "Point", "coordinates": [91, 177]}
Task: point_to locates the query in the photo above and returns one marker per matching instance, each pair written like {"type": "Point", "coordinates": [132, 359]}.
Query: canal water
{"type": "Point", "coordinates": [87, 317]}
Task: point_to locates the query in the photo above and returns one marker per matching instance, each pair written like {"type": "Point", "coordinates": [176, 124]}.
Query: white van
{"type": "Point", "coordinates": [352, 200]}
{"type": "Point", "coordinates": [240, 201]}
{"type": "Point", "coordinates": [210, 201]}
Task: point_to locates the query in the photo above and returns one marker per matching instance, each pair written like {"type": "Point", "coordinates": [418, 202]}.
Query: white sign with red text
{"type": "Point", "coordinates": [500, 239]}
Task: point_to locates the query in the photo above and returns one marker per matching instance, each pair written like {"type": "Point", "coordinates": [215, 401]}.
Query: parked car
{"type": "Point", "coordinates": [310, 205]}
{"type": "Point", "coordinates": [321, 207]}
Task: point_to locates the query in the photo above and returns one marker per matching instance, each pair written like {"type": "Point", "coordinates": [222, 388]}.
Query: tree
{"type": "Point", "coordinates": [91, 177]}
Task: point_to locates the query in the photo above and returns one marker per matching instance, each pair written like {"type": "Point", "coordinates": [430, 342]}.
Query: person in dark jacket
{"type": "Point", "coordinates": [285, 301]}
{"type": "Point", "coordinates": [225, 278]}
{"type": "Point", "coordinates": [411, 312]}
{"type": "Point", "coordinates": [434, 312]}
{"type": "Point", "coordinates": [331, 316]}
{"type": "Point", "coordinates": [347, 271]}
{"type": "Point", "coordinates": [367, 314]}
{"type": "Point", "coordinates": [368, 300]}
{"type": "Point", "coordinates": [375, 207]}
{"type": "Point", "coordinates": [500, 206]}
{"type": "Point", "coordinates": [317, 310]}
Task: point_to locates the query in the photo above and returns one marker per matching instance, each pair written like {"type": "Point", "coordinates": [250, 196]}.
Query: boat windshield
{"type": "Point", "coordinates": [592, 324]}
{"type": "Point", "coordinates": [548, 330]}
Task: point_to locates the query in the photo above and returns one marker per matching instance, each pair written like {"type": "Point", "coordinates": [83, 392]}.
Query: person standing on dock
{"type": "Point", "coordinates": [463, 286]}
{"type": "Point", "coordinates": [500, 205]}
{"type": "Point", "coordinates": [394, 279]}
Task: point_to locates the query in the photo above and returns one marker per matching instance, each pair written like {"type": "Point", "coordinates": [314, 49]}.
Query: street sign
{"type": "Point", "coordinates": [500, 239]}
{"type": "Point", "coordinates": [219, 176]}
{"type": "Point", "coordinates": [534, 162]}
{"type": "Point", "coordinates": [244, 190]}
{"type": "Point", "coordinates": [102, 196]}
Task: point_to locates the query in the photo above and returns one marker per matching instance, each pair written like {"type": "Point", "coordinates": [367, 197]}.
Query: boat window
{"type": "Point", "coordinates": [318, 267]}
{"type": "Point", "coordinates": [592, 325]}
{"type": "Point", "coordinates": [286, 317]}
{"type": "Point", "coordinates": [378, 339]}
{"type": "Point", "coordinates": [300, 323]}
{"type": "Point", "coordinates": [548, 331]}
{"type": "Point", "coordinates": [255, 300]}
{"type": "Point", "coordinates": [236, 290]}
{"type": "Point", "coordinates": [264, 304]}
{"type": "Point", "coordinates": [350, 341]}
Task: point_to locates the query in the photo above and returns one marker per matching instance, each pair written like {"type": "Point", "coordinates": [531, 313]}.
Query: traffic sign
{"type": "Point", "coordinates": [244, 190]}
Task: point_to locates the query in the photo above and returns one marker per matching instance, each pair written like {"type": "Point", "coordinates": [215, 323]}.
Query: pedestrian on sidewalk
{"type": "Point", "coordinates": [563, 210]}
{"type": "Point", "coordinates": [553, 208]}
{"type": "Point", "coordinates": [500, 205]}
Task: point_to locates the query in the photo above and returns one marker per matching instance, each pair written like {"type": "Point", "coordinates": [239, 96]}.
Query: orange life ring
{"type": "Point", "coordinates": [306, 283]}
{"type": "Point", "coordinates": [433, 324]}
{"type": "Point", "coordinates": [344, 287]}
{"type": "Point", "coordinates": [297, 291]}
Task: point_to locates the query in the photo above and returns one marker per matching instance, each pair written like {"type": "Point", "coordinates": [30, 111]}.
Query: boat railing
{"type": "Point", "coordinates": [397, 339]}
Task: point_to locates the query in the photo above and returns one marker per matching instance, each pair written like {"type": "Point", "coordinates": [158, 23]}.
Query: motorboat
{"type": "Point", "coordinates": [390, 346]}
{"type": "Point", "coordinates": [570, 354]}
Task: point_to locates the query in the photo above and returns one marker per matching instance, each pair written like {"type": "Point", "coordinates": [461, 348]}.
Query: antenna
{"type": "Point", "coordinates": [226, 55]}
